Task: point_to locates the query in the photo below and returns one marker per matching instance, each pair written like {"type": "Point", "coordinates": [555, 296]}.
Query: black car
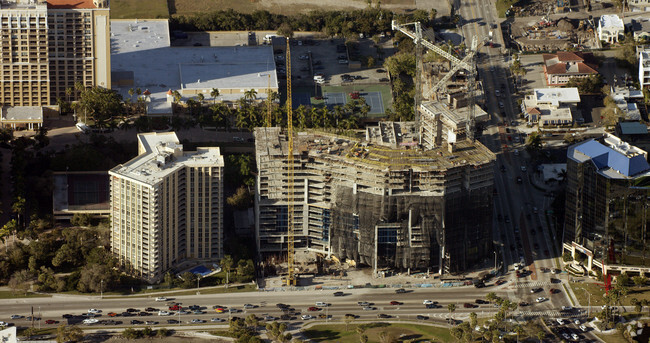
{"type": "Point", "coordinates": [339, 294]}
{"type": "Point", "coordinates": [172, 321]}
{"type": "Point", "coordinates": [144, 314]}
{"type": "Point", "coordinates": [136, 322]}
{"type": "Point", "coordinates": [127, 314]}
{"type": "Point", "coordinates": [384, 79]}
{"type": "Point", "coordinates": [285, 317]}
{"type": "Point", "coordinates": [421, 317]}
{"type": "Point", "coordinates": [151, 309]}
{"type": "Point", "coordinates": [66, 316]}
{"type": "Point", "coordinates": [281, 305]}
{"type": "Point", "coordinates": [132, 310]}
{"type": "Point", "coordinates": [481, 301]}
{"type": "Point", "coordinates": [400, 291]}
{"type": "Point", "coordinates": [383, 316]}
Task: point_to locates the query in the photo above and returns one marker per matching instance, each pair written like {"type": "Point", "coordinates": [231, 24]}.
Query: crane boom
{"type": "Point", "coordinates": [468, 60]}
{"type": "Point", "coordinates": [291, 277]}
{"type": "Point", "coordinates": [417, 38]}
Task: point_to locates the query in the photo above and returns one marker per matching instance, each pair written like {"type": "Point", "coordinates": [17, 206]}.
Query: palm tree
{"type": "Point", "coordinates": [177, 96]}
{"type": "Point", "coordinates": [250, 95]}
{"type": "Point", "coordinates": [131, 92]}
{"type": "Point", "coordinates": [201, 97]}
{"type": "Point", "coordinates": [519, 330]}
{"type": "Point", "coordinates": [214, 93]}
{"type": "Point", "coordinates": [451, 308]}
{"type": "Point", "coordinates": [226, 264]}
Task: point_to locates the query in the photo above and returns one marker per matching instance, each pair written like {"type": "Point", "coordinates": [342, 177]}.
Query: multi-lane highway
{"type": "Point", "coordinates": [411, 305]}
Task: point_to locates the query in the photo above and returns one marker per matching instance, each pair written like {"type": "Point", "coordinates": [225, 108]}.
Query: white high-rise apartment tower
{"type": "Point", "coordinates": [167, 206]}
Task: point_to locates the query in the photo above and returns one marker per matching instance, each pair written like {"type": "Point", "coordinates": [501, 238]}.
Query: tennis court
{"type": "Point", "coordinates": [333, 99]}
{"type": "Point", "coordinates": [299, 98]}
{"type": "Point", "coordinates": [373, 99]}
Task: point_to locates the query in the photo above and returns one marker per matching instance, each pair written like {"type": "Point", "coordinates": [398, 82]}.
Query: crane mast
{"type": "Point", "coordinates": [291, 277]}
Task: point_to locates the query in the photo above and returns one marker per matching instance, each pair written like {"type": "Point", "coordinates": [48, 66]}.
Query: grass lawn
{"type": "Point", "coordinates": [37, 332]}
{"type": "Point", "coordinates": [132, 9]}
{"type": "Point", "coordinates": [613, 338]}
{"type": "Point", "coordinates": [503, 5]}
{"type": "Point", "coordinates": [286, 7]}
{"type": "Point", "coordinates": [581, 289]}
{"type": "Point", "coordinates": [400, 332]}
{"type": "Point", "coordinates": [11, 295]}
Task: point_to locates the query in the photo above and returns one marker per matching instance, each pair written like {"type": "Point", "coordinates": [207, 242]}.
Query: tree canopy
{"type": "Point", "coordinates": [101, 104]}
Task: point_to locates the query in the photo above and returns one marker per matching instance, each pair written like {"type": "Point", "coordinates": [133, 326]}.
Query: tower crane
{"type": "Point", "coordinates": [468, 63]}
{"type": "Point", "coordinates": [291, 277]}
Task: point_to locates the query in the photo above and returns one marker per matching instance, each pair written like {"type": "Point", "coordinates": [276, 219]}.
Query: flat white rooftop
{"type": "Point", "coordinates": [143, 47]}
{"type": "Point", "coordinates": [159, 154]}
{"type": "Point", "coordinates": [22, 114]}
{"type": "Point", "coordinates": [555, 96]}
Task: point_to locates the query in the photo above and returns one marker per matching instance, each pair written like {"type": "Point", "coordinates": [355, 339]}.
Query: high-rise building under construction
{"type": "Point", "coordinates": [391, 205]}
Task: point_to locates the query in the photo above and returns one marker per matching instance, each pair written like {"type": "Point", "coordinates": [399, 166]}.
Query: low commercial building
{"type": "Point", "coordinates": [610, 28]}
{"type": "Point", "coordinates": [551, 106]}
{"type": "Point", "coordinates": [626, 99]}
{"type": "Point", "coordinates": [167, 206]}
{"type": "Point", "coordinates": [562, 66]}
{"type": "Point", "coordinates": [26, 117]}
{"type": "Point", "coordinates": [142, 57]}
{"type": "Point", "coordinates": [378, 206]}
{"type": "Point", "coordinates": [80, 193]}
{"type": "Point", "coordinates": [608, 187]}
{"type": "Point", "coordinates": [639, 5]}
{"type": "Point", "coordinates": [644, 68]}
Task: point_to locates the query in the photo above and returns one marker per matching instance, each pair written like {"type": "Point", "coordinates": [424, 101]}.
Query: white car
{"type": "Point", "coordinates": [94, 310]}
{"type": "Point", "coordinates": [249, 306]}
{"type": "Point", "coordinates": [90, 321]}
{"type": "Point", "coordinates": [515, 152]}
{"type": "Point", "coordinates": [567, 308]}
{"type": "Point", "coordinates": [427, 302]}
{"type": "Point", "coordinates": [560, 321]}
{"type": "Point", "coordinates": [583, 328]}
{"type": "Point", "coordinates": [307, 317]}
{"type": "Point", "coordinates": [497, 93]}
{"type": "Point", "coordinates": [576, 322]}
{"type": "Point", "coordinates": [322, 304]}
{"type": "Point", "coordinates": [16, 316]}
{"type": "Point", "coordinates": [217, 320]}
{"type": "Point", "coordinates": [161, 299]}
{"type": "Point", "coordinates": [3, 323]}
{"type": "Point", "coordinates": [164, 313]}
{"type": "Point", "coordinates": [575, 336]}
{"type": "Point", "coordinates": [540, 299]}
{"type": "Point", "coordinates": [198, 321]}
{"type": "Point", "coordinates": [523, 168]}
{"type": "Point", "coordinates": [565, 335]}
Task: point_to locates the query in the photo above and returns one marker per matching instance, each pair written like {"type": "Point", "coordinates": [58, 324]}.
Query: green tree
{"type": "Point", "coordinates": [540, 335]}
{"type": "Point", "coordinates": [226, 264]}
{"type": "Point", "coordinates": [242, 199]}
{"type": "Point", "coordinates": [534, 144]}
{"type": "Point", "coordinates": [587, 85]}
{"type": "Point", "coordinates": [639, 280]}
{"type": "Point", "coordinates": [473, 320]}
{"type": "Point", "coordinates": [491, 297]}
{"type": "Point", "coordinates": [101, 104]}
{"type": "Point", "coordinates": [250, 95]}
{"type": "Point", "coordinates": [214, 93]}
{"type": "Point", "coordinates": [18, 208]}
{"type": "Point", "coordinates": [162, 332]}
{"type": "Point", "coordinates": [451, 308]}
{"type": "Point", "coordinates": [92, 276]}
{"type": "Point", "coordinates": [131, 333]}
{"type": "Point", "coordinates": [68, 333]}
{"type": "Point", "coordinates": [81, 219]}
{"type": "Point", "coordinates": [285, 30]}
{"type": "Point", "coordinates": [277, 332]}
{"type": "Point", "coordinates": [189, 280]}
{"type": "Point", "coordinates": [20, 281]}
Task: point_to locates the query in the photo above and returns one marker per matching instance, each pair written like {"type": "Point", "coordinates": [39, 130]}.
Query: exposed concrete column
{"type": "Point", "coordinates": [590, 260]}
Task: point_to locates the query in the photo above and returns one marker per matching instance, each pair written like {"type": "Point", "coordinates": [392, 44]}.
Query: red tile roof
{"type": "Point", "coordinates": [70, 4]}
{"type": "Point", "coordinates": [565, 56]}
{"type": "Point", "coordinates": [533, 110]}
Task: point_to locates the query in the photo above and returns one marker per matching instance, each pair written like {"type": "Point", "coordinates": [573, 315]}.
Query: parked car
{"type": "Point", "coordinates": [339, 294]}
{"type": "Point", "coordinates": [306, 317]}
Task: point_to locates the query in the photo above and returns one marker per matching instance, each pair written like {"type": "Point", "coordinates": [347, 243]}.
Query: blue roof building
{"type": "Point", "coordinates": [606, 209]}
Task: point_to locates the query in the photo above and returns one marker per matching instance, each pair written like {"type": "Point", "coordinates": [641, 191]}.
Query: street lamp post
{"type": "Point", "coordinates": [495, 261]}
{"type": "Point", "coordinates": [101, 289]}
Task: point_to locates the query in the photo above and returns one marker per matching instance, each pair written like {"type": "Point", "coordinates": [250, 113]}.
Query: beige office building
{"type": "Point", "coordinates": [167, 206]}
{"type": "Point", "coordinates": [46, 47]}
